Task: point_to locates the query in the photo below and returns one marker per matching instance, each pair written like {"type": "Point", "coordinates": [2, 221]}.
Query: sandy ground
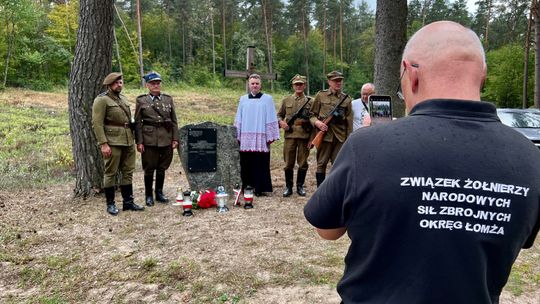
{"type": "Point", "coordinates": [56, 247]}
{"type": "Point", "coordinates": [260, 255]}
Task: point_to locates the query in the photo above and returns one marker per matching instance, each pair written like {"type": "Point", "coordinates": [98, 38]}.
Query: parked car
{"type": "Point", "coordinates": [525, 121]}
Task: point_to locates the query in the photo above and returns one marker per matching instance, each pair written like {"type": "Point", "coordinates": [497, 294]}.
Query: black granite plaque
{"type": "Point", "coordinates": [202, 150]}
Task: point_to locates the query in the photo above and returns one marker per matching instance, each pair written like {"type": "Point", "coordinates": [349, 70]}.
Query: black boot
{"type": "Point", "coordinates": [109, 197]}
{"type": "Point", "coordinates": [160, 179]}
{"type": "Point", "coordinates": [148, 181]}
{"type": "Point", "coordinates": [288, 182]}
{"type": "Point", "coordinates": [300, 178]}
{"type": "Point", "coordinates": [127, 195]}
{"type": "Point", "coordinates": [320, 178]}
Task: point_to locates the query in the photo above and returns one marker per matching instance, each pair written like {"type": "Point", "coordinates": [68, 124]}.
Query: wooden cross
{"type": "Point", "coordinates": [250, 69]}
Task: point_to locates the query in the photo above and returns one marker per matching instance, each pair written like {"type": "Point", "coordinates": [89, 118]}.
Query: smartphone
{"type": "Point", "coordinates": [380, 108]}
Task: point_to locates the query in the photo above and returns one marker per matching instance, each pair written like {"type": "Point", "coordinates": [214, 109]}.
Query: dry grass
{"type": "Point", "coordinates": [57, 249]}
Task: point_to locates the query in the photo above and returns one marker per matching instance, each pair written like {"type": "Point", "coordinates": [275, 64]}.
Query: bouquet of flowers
{"type": "Point", "coordinates": [203, 199]}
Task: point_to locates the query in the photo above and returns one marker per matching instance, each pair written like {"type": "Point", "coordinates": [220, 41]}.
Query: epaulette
{"type": "Point", "coordinates": [142, 95]}
{"type": "Point", "coordinates": [165, 94]}
{"type": "Point", "coordinates": [102, 94]}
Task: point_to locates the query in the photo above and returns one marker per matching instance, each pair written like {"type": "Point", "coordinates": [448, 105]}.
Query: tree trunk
{"type": "Point", "coordinates": [341, 33]}
{"type": "Point", "coordinates": [526, 59]}
{"type": "Point", "coordinates": [11, 39]}
{"type": "Point", "coordinates": [91, 63]}
{"type": "Point", "coordinates": [139, 35]}
{"type": "Point", "coordinates": [488, 17]}
{"type": "Point", "coordinates": [117, 48]}
{"type": "Point", "coordinates": [334, 37]}
{"type": "Point", "coordinates": [213, 39]}
{"type": "Point", "coordinates": [223, 35]}
{"type": "Point", "coordinates": [306, 58]}
{"type": "Point", "coordinates": [390, 33]}
{"type": "Point", "coordinates": [324, 45]}
{"type": "Point", "coordinates": [268, 35]}
{"type": "Point", "coordinates": [537, 55]}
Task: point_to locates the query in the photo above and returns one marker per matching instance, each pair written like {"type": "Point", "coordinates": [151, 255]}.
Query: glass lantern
{"type": "Point", "coordinates": [187, 204]}
{"type": "Point", "coordinates": [221, 198]}
{"type": "Point", "coordinates": [248, 197]}
{"type": "Point", "coordinates": [179, 198]}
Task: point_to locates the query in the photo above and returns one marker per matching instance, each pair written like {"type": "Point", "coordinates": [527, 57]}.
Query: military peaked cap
{"type": "Point", "coordinates": [334, 75]}
{"type": "Point", "coordinates": [152, 76]}
{"type": "Point", "coordinates": [111, 78]}
{"type": "Point", "coordinates": [298, 79]}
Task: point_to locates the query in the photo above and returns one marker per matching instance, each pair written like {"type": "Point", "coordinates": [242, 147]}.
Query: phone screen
{"type": "Point", "coordinates": [380, 107]}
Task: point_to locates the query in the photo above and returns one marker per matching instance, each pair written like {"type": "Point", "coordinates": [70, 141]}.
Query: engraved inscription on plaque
{"type": "Point", "coordinates": [202, 150]}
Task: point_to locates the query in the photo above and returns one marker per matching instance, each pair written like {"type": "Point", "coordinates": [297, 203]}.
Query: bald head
{"type": "Point", "coordinates": [443, 60]}
{"type": "Point", "coordinates": [367, 90]}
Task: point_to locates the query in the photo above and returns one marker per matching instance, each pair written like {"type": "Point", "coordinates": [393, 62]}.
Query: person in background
{"type": "Point", "coordinates": [156, 134]}
{"type": "Point", "coordinates": [360, 107]}
{"type": "Point", "coordinates": [431, 217]}
{"type": "Point", "coordinates": [111, 121]}
{"type": "Point", "coordinates": [297, 136]}
{"type": "Point", "coordinates": [257, 128]}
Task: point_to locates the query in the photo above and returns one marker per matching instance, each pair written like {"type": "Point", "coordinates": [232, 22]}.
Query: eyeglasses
{"type": "Point", "coordinates": [399, 93]}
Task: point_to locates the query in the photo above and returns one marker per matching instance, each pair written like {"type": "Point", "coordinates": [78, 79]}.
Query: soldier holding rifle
{"type": "Point", "coordinates": [293, 117]}
{"type": "Point", "coordinates": [333, 107]}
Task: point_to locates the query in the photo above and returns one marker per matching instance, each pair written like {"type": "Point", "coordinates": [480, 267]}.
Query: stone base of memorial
{"type": "Point", "coordinates": [210, 156]}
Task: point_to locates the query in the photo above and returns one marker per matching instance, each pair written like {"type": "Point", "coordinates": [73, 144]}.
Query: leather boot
{"type": "Point", "coordinates": [288, 182]}
{"type": "Point", "coordinates": [127, 195]}
{"type": "Point", "coordinates": [320, 178]}
{"type": "Point", "coordinates": [160, 180]}
{"type": "Point", "coordinates": [109, 197]}
{"type": "Point", "coordinates": [300, 178]}
{"type": "Point", "coordinates": [148, 181]}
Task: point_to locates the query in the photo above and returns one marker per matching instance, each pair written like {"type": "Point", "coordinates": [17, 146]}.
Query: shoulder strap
{"type": "Point", "coordinates": [364, 104]}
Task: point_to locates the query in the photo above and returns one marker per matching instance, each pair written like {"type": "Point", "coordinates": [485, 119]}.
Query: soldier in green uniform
{"type": "Point", "coordinates": [156, 134]}
{"type": "Point", "coordinates": [339, 127]}
{"type": "Point", "coordinates": [111, 121]}
{"type": "Point", "coordinates": [297, 136]}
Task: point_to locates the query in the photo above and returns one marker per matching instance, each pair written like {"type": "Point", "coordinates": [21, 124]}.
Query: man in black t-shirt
{"type": "Point", "coordinates": [447, 196]}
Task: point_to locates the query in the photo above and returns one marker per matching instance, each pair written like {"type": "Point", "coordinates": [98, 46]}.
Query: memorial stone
{"type": "Point", "coordinates": [210, 156]}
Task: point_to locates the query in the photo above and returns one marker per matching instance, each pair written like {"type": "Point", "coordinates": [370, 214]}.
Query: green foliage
{"type": "Point", "coordinates": [201, 76]}
{"type": "Point", "coordinates": [35, 147]}
{"type": "Point", "coordinates": [177, 39]}
{"type": "Point", "coordinates": [63, 24]}
{"type": "Point", "coordinates": [504, 84]}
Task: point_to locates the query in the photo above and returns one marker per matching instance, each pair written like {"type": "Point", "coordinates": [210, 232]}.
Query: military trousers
{"type": "Point", "coordinates": [328, 151]}
{"type": "Point", "coordinates": [122, 160]}
{"type": "Point", "coordinates": [156, 159]}
{"type": "Point", "coordinates": [296, 150]}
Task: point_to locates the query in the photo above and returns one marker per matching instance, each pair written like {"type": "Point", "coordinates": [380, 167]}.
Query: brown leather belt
{"type": "Point", "coordinates": [114, 124]}
{"type": "Point", "coordinates": [300, 122]}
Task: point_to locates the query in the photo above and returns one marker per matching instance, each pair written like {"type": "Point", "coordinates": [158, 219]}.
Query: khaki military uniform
{"type": "Point", "coordinates": [156, 127]}
{"type": "Point", "coordinates": [295, 146]}
{"type": "Point", "coordinates": [111, 118]}
{"type": "Point", "coordinates": [338, 129]}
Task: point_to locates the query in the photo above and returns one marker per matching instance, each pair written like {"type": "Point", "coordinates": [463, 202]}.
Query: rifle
{"type": "Point", "coordinates": [295, 116]}
{"type": "Point", "coordinates": [317, 140]}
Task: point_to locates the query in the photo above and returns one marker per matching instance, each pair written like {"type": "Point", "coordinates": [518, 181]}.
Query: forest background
{"type": "Point", "coordinates": [192, 42]}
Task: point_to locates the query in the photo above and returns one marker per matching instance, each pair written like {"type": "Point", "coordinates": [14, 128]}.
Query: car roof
{"type": "Point", "coordinates": [510, 110]}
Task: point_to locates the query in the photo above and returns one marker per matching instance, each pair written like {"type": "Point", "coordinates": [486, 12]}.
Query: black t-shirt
{"type": "Point", "coordinates": [437, 205]}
